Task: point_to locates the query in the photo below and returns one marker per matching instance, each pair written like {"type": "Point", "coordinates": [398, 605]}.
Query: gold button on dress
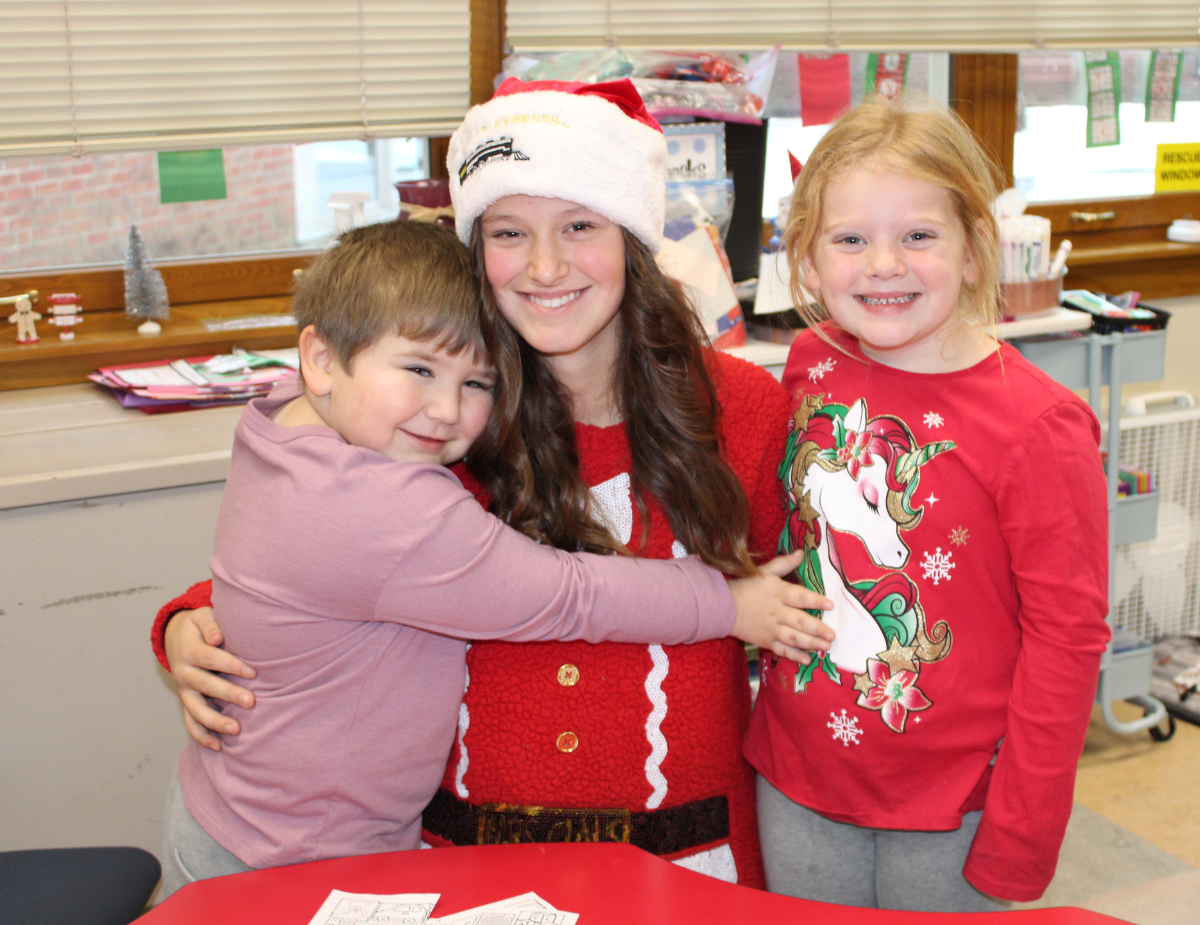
{"type": "Point", "coordinates": [567, 742]}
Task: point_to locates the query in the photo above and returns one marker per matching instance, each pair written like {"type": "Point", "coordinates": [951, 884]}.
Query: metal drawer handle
{"type": "Point", "coordinates": [1092, 216]}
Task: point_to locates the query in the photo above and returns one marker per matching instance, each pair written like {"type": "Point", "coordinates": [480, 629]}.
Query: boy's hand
{"type": "Point", "coordinates": [770, 612]}
{"type": "Point", "coordinates": [191, 639]}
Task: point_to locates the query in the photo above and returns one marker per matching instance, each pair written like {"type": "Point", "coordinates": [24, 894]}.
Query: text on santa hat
{"type": "Point", "coordinates": [524, 119]}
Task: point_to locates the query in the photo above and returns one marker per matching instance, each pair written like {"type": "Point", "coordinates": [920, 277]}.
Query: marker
{"type": "Point", "coordinates": [1060, 259]}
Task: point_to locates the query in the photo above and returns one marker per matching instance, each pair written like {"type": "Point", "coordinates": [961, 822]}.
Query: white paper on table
{"type": "Point", "coordinates": [526, 909]}
{"type": "Point", "coordinates": [341, 908]}
{"type": "Point", "coordinates": [150, 376]}
{"type": "Point", "coordinates": [772, 295]}
{"type": "Point", "coordinates": [194, 376]}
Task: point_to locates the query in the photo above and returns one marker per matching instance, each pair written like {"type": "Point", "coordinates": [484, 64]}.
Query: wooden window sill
{"type": "Point", "coordinates": [1140, 259]}
{"type": "Point", "coordinates": [109, 339]}
{"type": "Point", "coordinates": [199, 290]}
{"type": "Point", "coordinates": [1129, 252]}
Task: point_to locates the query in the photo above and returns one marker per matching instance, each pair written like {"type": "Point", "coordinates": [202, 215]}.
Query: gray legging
{"type": "Point", "coordinates": [809, 856]}
{"type": "Point", "coordinates": [189, 853]}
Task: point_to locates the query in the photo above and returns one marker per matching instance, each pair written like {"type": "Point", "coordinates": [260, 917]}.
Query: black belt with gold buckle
{"type": "Point", "coordinates": [659, 831]}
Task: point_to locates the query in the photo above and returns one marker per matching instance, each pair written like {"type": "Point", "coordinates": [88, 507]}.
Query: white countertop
{"type": "Point", "coordinates": [75, 441]}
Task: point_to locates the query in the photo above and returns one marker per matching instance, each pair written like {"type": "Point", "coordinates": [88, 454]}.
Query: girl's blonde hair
{"type": "Point", "coordinates": [921, 139]}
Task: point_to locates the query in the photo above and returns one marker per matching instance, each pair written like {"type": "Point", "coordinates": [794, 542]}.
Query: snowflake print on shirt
{"type": "Point", "coordinates": [933, 419]}
{"type": "Point", "coordinates": [937, 566]}
{"type": "Point", "coordinates": [959, 536]}
{"type": "Point", "coordinates": [817, 373]}
{"type": "Point", "coordinates": [845, 728]}
{"type": "Point", "coordinates": [848, 477]}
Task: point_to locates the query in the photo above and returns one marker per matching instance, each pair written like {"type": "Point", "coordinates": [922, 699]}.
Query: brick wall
{"type": "Point", "coordinates": [60, 211]}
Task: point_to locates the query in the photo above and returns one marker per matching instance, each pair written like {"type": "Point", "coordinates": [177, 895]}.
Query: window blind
{"type": "Point", "coordinates": [94, 75]}
{"type": "Point", "coordinates": [866, 25]}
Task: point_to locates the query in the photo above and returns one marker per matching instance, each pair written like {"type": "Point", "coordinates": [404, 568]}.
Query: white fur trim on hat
{"type": "Point", "coordinates": [558, 145]}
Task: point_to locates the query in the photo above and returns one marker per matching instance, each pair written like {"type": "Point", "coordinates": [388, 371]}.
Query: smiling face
{"type": "Point", "coordinates": [557, 271]}
{"type": "Point", "coordinates": [889, 261]}
{"type": "Point", "coordinates": [404, 398]}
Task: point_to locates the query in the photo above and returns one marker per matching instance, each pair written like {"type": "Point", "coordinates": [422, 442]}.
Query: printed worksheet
{"type": "Point", "coordinates": [342, 908]}
{"type": "Point", "coordinates": [526, 909]}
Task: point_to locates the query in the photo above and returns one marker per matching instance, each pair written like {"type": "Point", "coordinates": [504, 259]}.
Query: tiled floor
{"type": "Point", "coordinates": [1133, 846]}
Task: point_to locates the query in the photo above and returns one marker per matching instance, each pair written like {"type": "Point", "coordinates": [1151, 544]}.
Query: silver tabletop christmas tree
{"type": "Point", "coordinates": [145, 292]}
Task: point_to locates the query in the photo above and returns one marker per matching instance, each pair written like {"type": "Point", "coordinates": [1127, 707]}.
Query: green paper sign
{"type": "Point", "coordinates": [191, 176]}
{"type": "Point", "coordinates": [1162, 85]}
{"type": "Point", "coordinates": [1103, 70]}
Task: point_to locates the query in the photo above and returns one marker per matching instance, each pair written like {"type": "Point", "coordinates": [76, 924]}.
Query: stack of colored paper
{"type": "Point", "coordinates": [1131, 481]}
{"type": "Point", "coordinates": [1134, 481]}
{"type": "Point", "coordinates": [197, 382]}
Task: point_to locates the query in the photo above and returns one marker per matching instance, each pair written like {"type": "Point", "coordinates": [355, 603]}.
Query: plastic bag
{"type": "Point", "coordinates": [709, 68]}
{"type": "Point", "coordinates": [694, 255]}
{"type": "Point", "coordinates": [697, 84]}
{"type": "Point", "coordinates": [727, 102]}
{"type": "Point", "coordinates": [701, 202]}
{"type": "Point", "coordinates": [587, 66]}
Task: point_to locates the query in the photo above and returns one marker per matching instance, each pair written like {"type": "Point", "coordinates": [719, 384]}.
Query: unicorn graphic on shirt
{"type": "Point", "coordinates": [846, 475]}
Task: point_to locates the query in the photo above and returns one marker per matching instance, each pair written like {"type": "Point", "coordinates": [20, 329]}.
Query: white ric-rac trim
{"type": "Point", "coordinates": [464, 723]}
{"type": "Point", "coordinates": [658, 712]}
{"type": "Point", "coordinates": [716, 862]}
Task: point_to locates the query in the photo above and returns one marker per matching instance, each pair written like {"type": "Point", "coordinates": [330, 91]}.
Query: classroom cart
{"type": "Point", "coordinates": [1091, 361]}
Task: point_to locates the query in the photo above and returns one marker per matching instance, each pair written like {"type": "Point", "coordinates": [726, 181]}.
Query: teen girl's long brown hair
{"type": "Point", "coordinates": [527, 457]}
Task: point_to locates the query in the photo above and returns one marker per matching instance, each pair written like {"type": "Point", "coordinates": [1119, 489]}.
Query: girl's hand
{"type": "Point", "coordinates": [770, 612]}
{"type": "Point", "coordinates": [190, 640]}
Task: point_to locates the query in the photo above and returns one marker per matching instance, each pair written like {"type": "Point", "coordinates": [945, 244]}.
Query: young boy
{"type": "Point", "coordinates": [346, 552]}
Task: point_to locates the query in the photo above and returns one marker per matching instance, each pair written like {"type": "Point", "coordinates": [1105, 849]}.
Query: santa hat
{"type": "Point", "coordinates": [593, 144]}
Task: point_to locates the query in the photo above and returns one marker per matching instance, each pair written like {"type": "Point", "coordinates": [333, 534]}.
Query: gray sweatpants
{"type": "Point", "coordinates": [809, 856]}
{"type": "Point", "coordinates": [189, 853]}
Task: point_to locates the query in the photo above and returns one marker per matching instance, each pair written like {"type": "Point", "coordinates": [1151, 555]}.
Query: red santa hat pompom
{"type": "Point", "coordinates": [594, 144]}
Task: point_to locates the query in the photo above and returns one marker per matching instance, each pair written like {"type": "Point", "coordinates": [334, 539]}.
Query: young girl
{"type": "Point", "coordinates": [951, 502]}
{"type": "Point", "coordinates": [631, 437]}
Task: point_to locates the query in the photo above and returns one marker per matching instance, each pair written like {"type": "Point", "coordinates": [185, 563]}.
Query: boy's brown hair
{"type": "Point", "coordinates": [410, 279]}
{"type": "Point", "coordinates": [919, 138]}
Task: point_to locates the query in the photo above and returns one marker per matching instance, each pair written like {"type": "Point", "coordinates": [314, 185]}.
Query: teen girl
{"type": "Point", "coordinates": [631, 437]}
{"type": "Point", "coordinates": [951, 502]}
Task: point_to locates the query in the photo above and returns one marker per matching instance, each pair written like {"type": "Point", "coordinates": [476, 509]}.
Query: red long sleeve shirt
{"type": "Point", "coordinates": [959, 522]}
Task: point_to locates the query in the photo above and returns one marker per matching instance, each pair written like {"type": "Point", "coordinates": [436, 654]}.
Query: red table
{"type": "Point", "coordinates": [604, 883]}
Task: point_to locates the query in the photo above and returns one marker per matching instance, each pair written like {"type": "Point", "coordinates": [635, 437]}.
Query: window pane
{"type": "Point", "coordinates": [58, 211]}
{"type": "Point", "coordinates": [1051, 161]}
{"type": "Point", "coordinates": [784, 135]}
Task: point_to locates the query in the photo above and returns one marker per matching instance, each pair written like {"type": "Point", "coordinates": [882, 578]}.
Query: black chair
{"type": "Point", "coordinates": [76, 886]}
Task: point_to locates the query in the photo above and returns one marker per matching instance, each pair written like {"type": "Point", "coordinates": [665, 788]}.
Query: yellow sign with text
{"type": "Point", "coordinates": [1177, 168]}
